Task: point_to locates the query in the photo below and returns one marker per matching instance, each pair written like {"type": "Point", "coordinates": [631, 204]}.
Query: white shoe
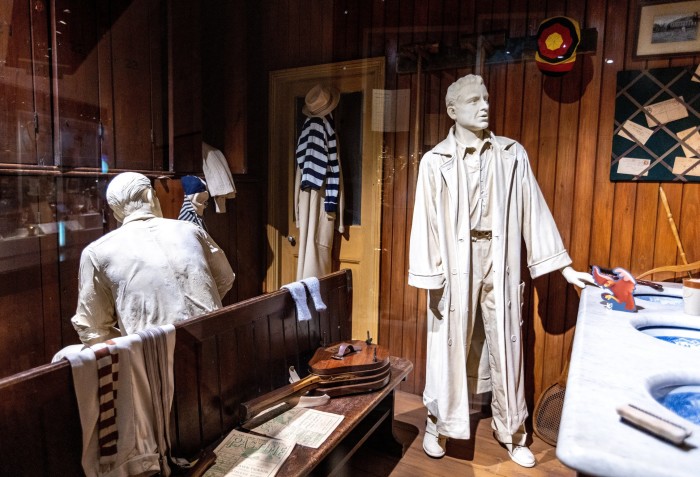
{"type": "Point", "coordinates": [521, 455]}
{"type": "Point", "coordinates": [434, 446]}
{"type": "Point", "coordinates": [433, 443]}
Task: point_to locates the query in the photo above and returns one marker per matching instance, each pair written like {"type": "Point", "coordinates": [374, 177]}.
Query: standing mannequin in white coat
{"type": "Point", "coordinates": [476, 200]}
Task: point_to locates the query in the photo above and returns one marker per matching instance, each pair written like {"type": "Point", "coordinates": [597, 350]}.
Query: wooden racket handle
{"type": "Point", "coordinates": [255, 406]}
{"type": "Point", "coordinates": [671, 222]}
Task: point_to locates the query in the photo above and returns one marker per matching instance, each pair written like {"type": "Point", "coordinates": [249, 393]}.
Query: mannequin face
{"type": "Point", "coordinates": [199, 201]}
{"type": "Point", "coordinates": [471, 110]}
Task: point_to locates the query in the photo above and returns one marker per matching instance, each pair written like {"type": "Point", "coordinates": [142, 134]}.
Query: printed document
{"type": "Point", "coordinates": [248, 455]}
{"type": "Point", "coordinates": [633, 166]}
{"type": "Point", "coordinates": [635, 132]}
{"type": "Point", "coordinates": [665, 111]}
{"type": "Point", "coordinates": [306, 427]}
{"type": "Point", "coordinates": [691, 141]}
{"type": "Point", "coordinates": [689, 166]}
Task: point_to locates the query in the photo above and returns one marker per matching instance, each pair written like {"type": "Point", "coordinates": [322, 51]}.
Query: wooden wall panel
{"type": "Point", "coordinates": [224, 80]}
{"type": "Point", "coordinates": [185, 86]}
{"type": "Point", "coordinates": [388, 37]}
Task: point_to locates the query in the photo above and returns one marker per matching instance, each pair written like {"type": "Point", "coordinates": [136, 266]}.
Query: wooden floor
{"type": "Point", "coordinates": [482, 456]}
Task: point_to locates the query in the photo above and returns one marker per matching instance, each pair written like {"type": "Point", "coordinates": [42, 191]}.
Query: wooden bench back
{"type": "Point", "coordinates": [221, 359]}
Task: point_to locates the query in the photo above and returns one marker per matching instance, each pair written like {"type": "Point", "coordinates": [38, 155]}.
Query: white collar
{"type": "Point", "coordinates": [138, 216]}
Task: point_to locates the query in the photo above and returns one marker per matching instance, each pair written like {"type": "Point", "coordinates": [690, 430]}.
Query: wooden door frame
{"type": "Point", "coordinates": [285, 86]}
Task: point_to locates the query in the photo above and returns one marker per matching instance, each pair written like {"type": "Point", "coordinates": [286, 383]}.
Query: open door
{"type": "Point", "coordinates": [360, 153]}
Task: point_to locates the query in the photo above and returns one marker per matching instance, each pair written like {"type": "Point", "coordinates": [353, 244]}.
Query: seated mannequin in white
{"type": "Point", "coordinates": [196, 200]}
{"type": "Point", "coordinates": [150, 271]}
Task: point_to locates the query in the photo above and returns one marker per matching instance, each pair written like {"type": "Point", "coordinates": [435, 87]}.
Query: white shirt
{"type": "Point", "coordinates": [151, 271]}
{"type": "Point", "coordinates": [475, 169]}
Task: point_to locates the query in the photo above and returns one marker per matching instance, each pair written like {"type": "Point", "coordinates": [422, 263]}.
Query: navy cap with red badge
{"type": "Point", "coordinates": [557, 40]}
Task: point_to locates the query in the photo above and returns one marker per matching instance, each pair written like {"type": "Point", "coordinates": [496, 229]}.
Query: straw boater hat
{"type": "Point", "coordinates": [320, 101]}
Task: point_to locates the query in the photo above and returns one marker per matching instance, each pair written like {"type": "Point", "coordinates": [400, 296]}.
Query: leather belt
{"type": "Point", "coordinates": [480, 235]}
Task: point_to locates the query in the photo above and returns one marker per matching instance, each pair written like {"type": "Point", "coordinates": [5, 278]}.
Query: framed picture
{"type": "Point", "coordinates": [667, 29]}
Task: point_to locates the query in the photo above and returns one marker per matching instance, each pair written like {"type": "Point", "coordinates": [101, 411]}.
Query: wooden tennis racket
{"type": "Point", "coordinates": [344, 368]}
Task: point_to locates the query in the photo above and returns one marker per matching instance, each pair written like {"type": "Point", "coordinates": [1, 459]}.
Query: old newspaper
{"type": "Point", "coordinates": [249, 455]}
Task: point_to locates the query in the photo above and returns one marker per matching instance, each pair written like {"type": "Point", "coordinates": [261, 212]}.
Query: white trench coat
{"type": "Point", "coordinates": [439, 262]}
{"type": "Point", "coordinates": [316, 228]}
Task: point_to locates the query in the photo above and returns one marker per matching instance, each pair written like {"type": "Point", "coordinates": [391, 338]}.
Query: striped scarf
{"type": "Point", "coordinates": [317, 157]}
{"type": "Point", "coordinates": [189, 214]}
{"type": "Point", "coordinates": [108, 377]}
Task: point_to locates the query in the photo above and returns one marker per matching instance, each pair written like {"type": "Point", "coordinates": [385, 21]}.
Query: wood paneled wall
{"type": "Point", "coordinates": [565, 124]}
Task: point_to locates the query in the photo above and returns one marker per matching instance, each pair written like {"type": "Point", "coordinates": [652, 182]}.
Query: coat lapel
{"type": "Point", "coordinates": [447, 150]}
{"type": "Point", "coordinates": [503, 166]}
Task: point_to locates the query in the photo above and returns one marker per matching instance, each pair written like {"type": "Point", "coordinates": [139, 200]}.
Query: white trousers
{"type": "Point", "coordinates": [482, 342]}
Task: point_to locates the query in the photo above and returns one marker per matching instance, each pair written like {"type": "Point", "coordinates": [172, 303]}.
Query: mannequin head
{"type": "Point", "coordinates": [131, 192]}
{"type": "Point", "coordinates": [468, 104]}
{"type": "Point", "coordinates": [195, 189]}
{"type": "Point", "coordinates": [199, 201]}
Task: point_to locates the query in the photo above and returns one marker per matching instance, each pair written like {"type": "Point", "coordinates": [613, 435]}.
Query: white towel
{"type": "Point", "coordinates": [158, 347]}
{"type": "Point", "coordinates": [314, 287]}
{"type": "Point", "coordinates": [298, 292]}
{"type": "Point", "coordinates": [218, 176]}
{"type": "Point", "coordinates": [138, 439]}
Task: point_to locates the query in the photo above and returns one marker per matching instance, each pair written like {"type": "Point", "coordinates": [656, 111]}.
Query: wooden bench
{"type": "Point", "coordinates": [367, 416]}
{"type": "Point", "coordinates": [221, 359]}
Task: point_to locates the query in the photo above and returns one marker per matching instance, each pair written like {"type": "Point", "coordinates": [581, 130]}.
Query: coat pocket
{"type": "Point", "coordinates": [436, 302]}
{"type": "Point", "coordinates": [326, 229]}
{"type": "Point", "coordinates": [521, 300]}
{"type": "Point", "coordinates": [516, 300]}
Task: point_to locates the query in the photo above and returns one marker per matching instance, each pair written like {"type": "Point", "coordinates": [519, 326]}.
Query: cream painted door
{"type": "Point", "coordinates": [357, 249]}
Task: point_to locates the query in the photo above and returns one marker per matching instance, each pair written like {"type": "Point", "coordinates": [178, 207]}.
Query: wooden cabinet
{"type": "Point", "coordinates": [110, 108]}
{"type": "Point", "coordinates": [138, 95]}
{"type": "Point", "coordinates": [97, 98]}
{"type": "Point", "coordinates": [76, 74]}
{"type": "Point", "coordinates": [25, 88]}
{"type": "Point", "coordinates": [186, 124]}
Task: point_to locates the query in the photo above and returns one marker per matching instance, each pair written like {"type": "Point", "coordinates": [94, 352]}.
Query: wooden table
{"type": "Point", "coordinates": [366, 415]}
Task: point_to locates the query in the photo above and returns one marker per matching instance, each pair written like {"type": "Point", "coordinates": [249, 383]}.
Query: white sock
{"type": "Point", "coordinates": [298, 292]}
{"type": "Point", "coordinates": [314, 287]}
